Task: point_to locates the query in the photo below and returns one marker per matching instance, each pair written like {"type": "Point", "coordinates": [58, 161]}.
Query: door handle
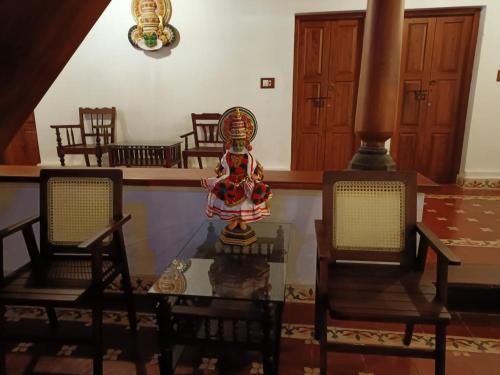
{"type": "Point", "coordinates": [318, 101]}
{"type": "Point", "coordinates": [419, 94]}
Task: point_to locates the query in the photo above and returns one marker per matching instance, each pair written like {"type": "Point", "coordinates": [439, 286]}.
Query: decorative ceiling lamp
{"type": "Point", "coordinates": [152, 31]}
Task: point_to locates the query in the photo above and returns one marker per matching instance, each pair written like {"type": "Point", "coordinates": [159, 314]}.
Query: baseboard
{"type": "Point", "coordinates": [478, 183]}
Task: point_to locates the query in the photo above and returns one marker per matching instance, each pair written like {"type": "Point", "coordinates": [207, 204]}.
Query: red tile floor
{"type": "Point", "coordinates": [467, 220]}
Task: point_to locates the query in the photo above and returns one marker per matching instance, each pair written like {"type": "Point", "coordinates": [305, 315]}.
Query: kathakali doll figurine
{"type": "Point", "coordinates": [238, 194]}
{"type": "Point", "coordinates": [152, 30]}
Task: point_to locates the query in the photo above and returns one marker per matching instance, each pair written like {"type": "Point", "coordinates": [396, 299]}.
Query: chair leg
{"type": "Point", "coordinates": [129, 295]}
{"type": "Point", "coordinates": [323, 354]}
{"type": "Point", "coordinates": [97, 338]}
{"type": "Point", "coordinates": [408, 334]}
{"type": "Point", "coordinates": [318, 321]}
{"type": "Point", "coordinates": [87, 161]}
{"type": "Point", "coordinates": [61, 158]}
{"type": "Point", "coordinates": [200, 164]}
{"type": "Point", "coordinates": [440, 349]}
{"type": "Point", "coordinates": [184, 160]}
{"type": "Point", "coordinates": [51, 314]}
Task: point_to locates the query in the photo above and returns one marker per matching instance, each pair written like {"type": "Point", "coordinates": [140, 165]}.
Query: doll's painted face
{"type": "Point", "coordinates": [238, 145]}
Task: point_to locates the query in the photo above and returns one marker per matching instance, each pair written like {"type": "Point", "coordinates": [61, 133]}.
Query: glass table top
{"type": "Point", "coordinates": [205, 267]}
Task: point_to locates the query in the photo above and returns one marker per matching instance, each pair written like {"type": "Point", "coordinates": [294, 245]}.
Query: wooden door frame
{"type": "Point", "coordinates": [463, 105]}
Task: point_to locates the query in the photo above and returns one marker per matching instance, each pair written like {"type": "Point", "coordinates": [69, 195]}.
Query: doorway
{"type": "Point", "coordinates": [438, 53]}
{"type": "Point", "coordinates": [23, 148]}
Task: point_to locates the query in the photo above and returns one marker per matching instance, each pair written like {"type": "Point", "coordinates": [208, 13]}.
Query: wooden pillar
{"type": "Point", "coordinates": [379, 83]}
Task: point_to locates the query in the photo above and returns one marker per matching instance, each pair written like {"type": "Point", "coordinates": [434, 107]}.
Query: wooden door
{"type": "Point", "coordinates": [434, 88]}
{"type": "Point", "coordinates": [327, 56]}
{"type": "Point", "coordinates": [23, 148]}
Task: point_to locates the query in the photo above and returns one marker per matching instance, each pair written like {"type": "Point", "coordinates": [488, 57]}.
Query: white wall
{"type": "Point", "coordinates": [225, 47]}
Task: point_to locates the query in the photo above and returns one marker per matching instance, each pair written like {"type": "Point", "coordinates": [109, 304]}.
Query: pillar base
{"type": "Point", "coordinates": [372, 158]}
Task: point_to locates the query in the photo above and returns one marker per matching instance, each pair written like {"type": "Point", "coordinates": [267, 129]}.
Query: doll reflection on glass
{"type": "Point", "coordinates": [237, 194]}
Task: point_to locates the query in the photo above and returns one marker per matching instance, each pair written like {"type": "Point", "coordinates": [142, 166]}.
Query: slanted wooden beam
{"type": "Point", "coordinates": [38, 37]}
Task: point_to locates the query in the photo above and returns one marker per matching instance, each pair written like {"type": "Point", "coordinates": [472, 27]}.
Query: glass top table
{"type": "Point", "coordinates": [207, 268]}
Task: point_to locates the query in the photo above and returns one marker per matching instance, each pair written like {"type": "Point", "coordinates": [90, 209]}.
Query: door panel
{"type": "Point", "coordinates": [418, 34]}
{"type": "Point", "coordinates": [440, 129]}
{"type": "Point", "coordinates": [345, 56]}
{"type": "Point", "coordinates": [311, 80]}
{"type": "Point", "coordinates": [449, 45]}
{"type": "Point", "coordinates": [408, 150]}
{"type": "Point", "coordinates": [338, 152]}
{"type": "Point", "coordinates": [434, 55]}
{"type": "Point", "coordinates": [417, 55]}
{"type": "Point", "coordinates": [410, 106]}
{"type": "Point", "coordinates": [443, 104]}
{"type": "Point", "coordinates": [313, 50]}
{"type": "Point", "coordinates": [344, 50]}
{"type": "Point", "coordinates": [309, 151]}
{"type": "Point", "coordinates": [311, 120]}
{"type": "Point", "coordinates": [341, 110]}
{"type": "Point", "coordinates": [439, 156]}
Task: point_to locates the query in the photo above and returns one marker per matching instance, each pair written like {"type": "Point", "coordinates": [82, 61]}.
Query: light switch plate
{"type": "Point", "coordinates": [267, 83]}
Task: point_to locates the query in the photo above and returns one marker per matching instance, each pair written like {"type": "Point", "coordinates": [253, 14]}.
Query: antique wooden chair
{"type": "Point", "coordinates": [95, 123]}
{"type": "Point", "coordinates": [82, 251]}
{"type": "Point", "coordinates": [207, 142]}
{"type": "Point", "coordinates": [368, 267]}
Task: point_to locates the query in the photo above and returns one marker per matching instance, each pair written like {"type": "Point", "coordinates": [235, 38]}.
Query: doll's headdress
{"type": "Point", "coordinates": [237, 123]}
{"type": "Point", "coordinates": [238, 128]}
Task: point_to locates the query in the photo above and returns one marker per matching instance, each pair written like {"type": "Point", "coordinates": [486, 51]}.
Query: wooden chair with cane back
{"type": "Point", "coordinates": [95, 123]}
{"type": "Point", "coordinates": [82, 250]}
{"type": "Point", "coordinates": [207, 141]}
{"type": "Point", "coordinates": [368, 266]}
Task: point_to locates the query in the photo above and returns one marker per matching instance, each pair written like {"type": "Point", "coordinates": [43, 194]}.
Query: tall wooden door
{"type": "Point", "coordinates": [327, 57]}
{"type": "Point", "coordinates": [433, 94]}
{"type": "Point", "coordinates": [23, 148]}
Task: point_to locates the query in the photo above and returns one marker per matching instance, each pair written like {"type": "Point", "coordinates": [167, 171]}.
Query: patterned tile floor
{"type": "Point", "coordinates": [467, 220]}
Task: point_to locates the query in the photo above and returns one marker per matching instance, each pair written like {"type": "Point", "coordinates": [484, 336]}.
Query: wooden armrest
{"type": "Point", "coordinates": [187, 134]}
{"type": "Point", "coordinates": [18, 226]}
{"type": "Point", "coordinates": [437, 245]}
{"type": "Point", "coordinates": [64, 126]}
{"type": "Point", "coordinates": [100, 236]}
{"type": "Point", "coordinates": [323, 248]}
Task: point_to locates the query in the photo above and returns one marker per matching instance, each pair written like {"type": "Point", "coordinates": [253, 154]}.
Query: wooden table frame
{"type": "Point", "coordinates": [134, 155]}
{"type": "Point", "coordinates": [201, 323]}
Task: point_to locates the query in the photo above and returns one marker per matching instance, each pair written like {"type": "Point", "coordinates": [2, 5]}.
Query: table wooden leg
{"type": "Point", "coordinates": [269, 354]}
{"type": "Point", "coordinates": [165, 358]}
{"type": "Point", "coordinates": [3, 365]}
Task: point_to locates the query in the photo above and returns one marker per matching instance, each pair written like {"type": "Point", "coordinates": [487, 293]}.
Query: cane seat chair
{"type": "Point", "coordinates": [207, 140]}
{"type": "Point", "coordinates": [368, 266]}
{"type": "Point", "coordinates": [81, 252]}
{"type": "Point", "coordinates": [98, 124]}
